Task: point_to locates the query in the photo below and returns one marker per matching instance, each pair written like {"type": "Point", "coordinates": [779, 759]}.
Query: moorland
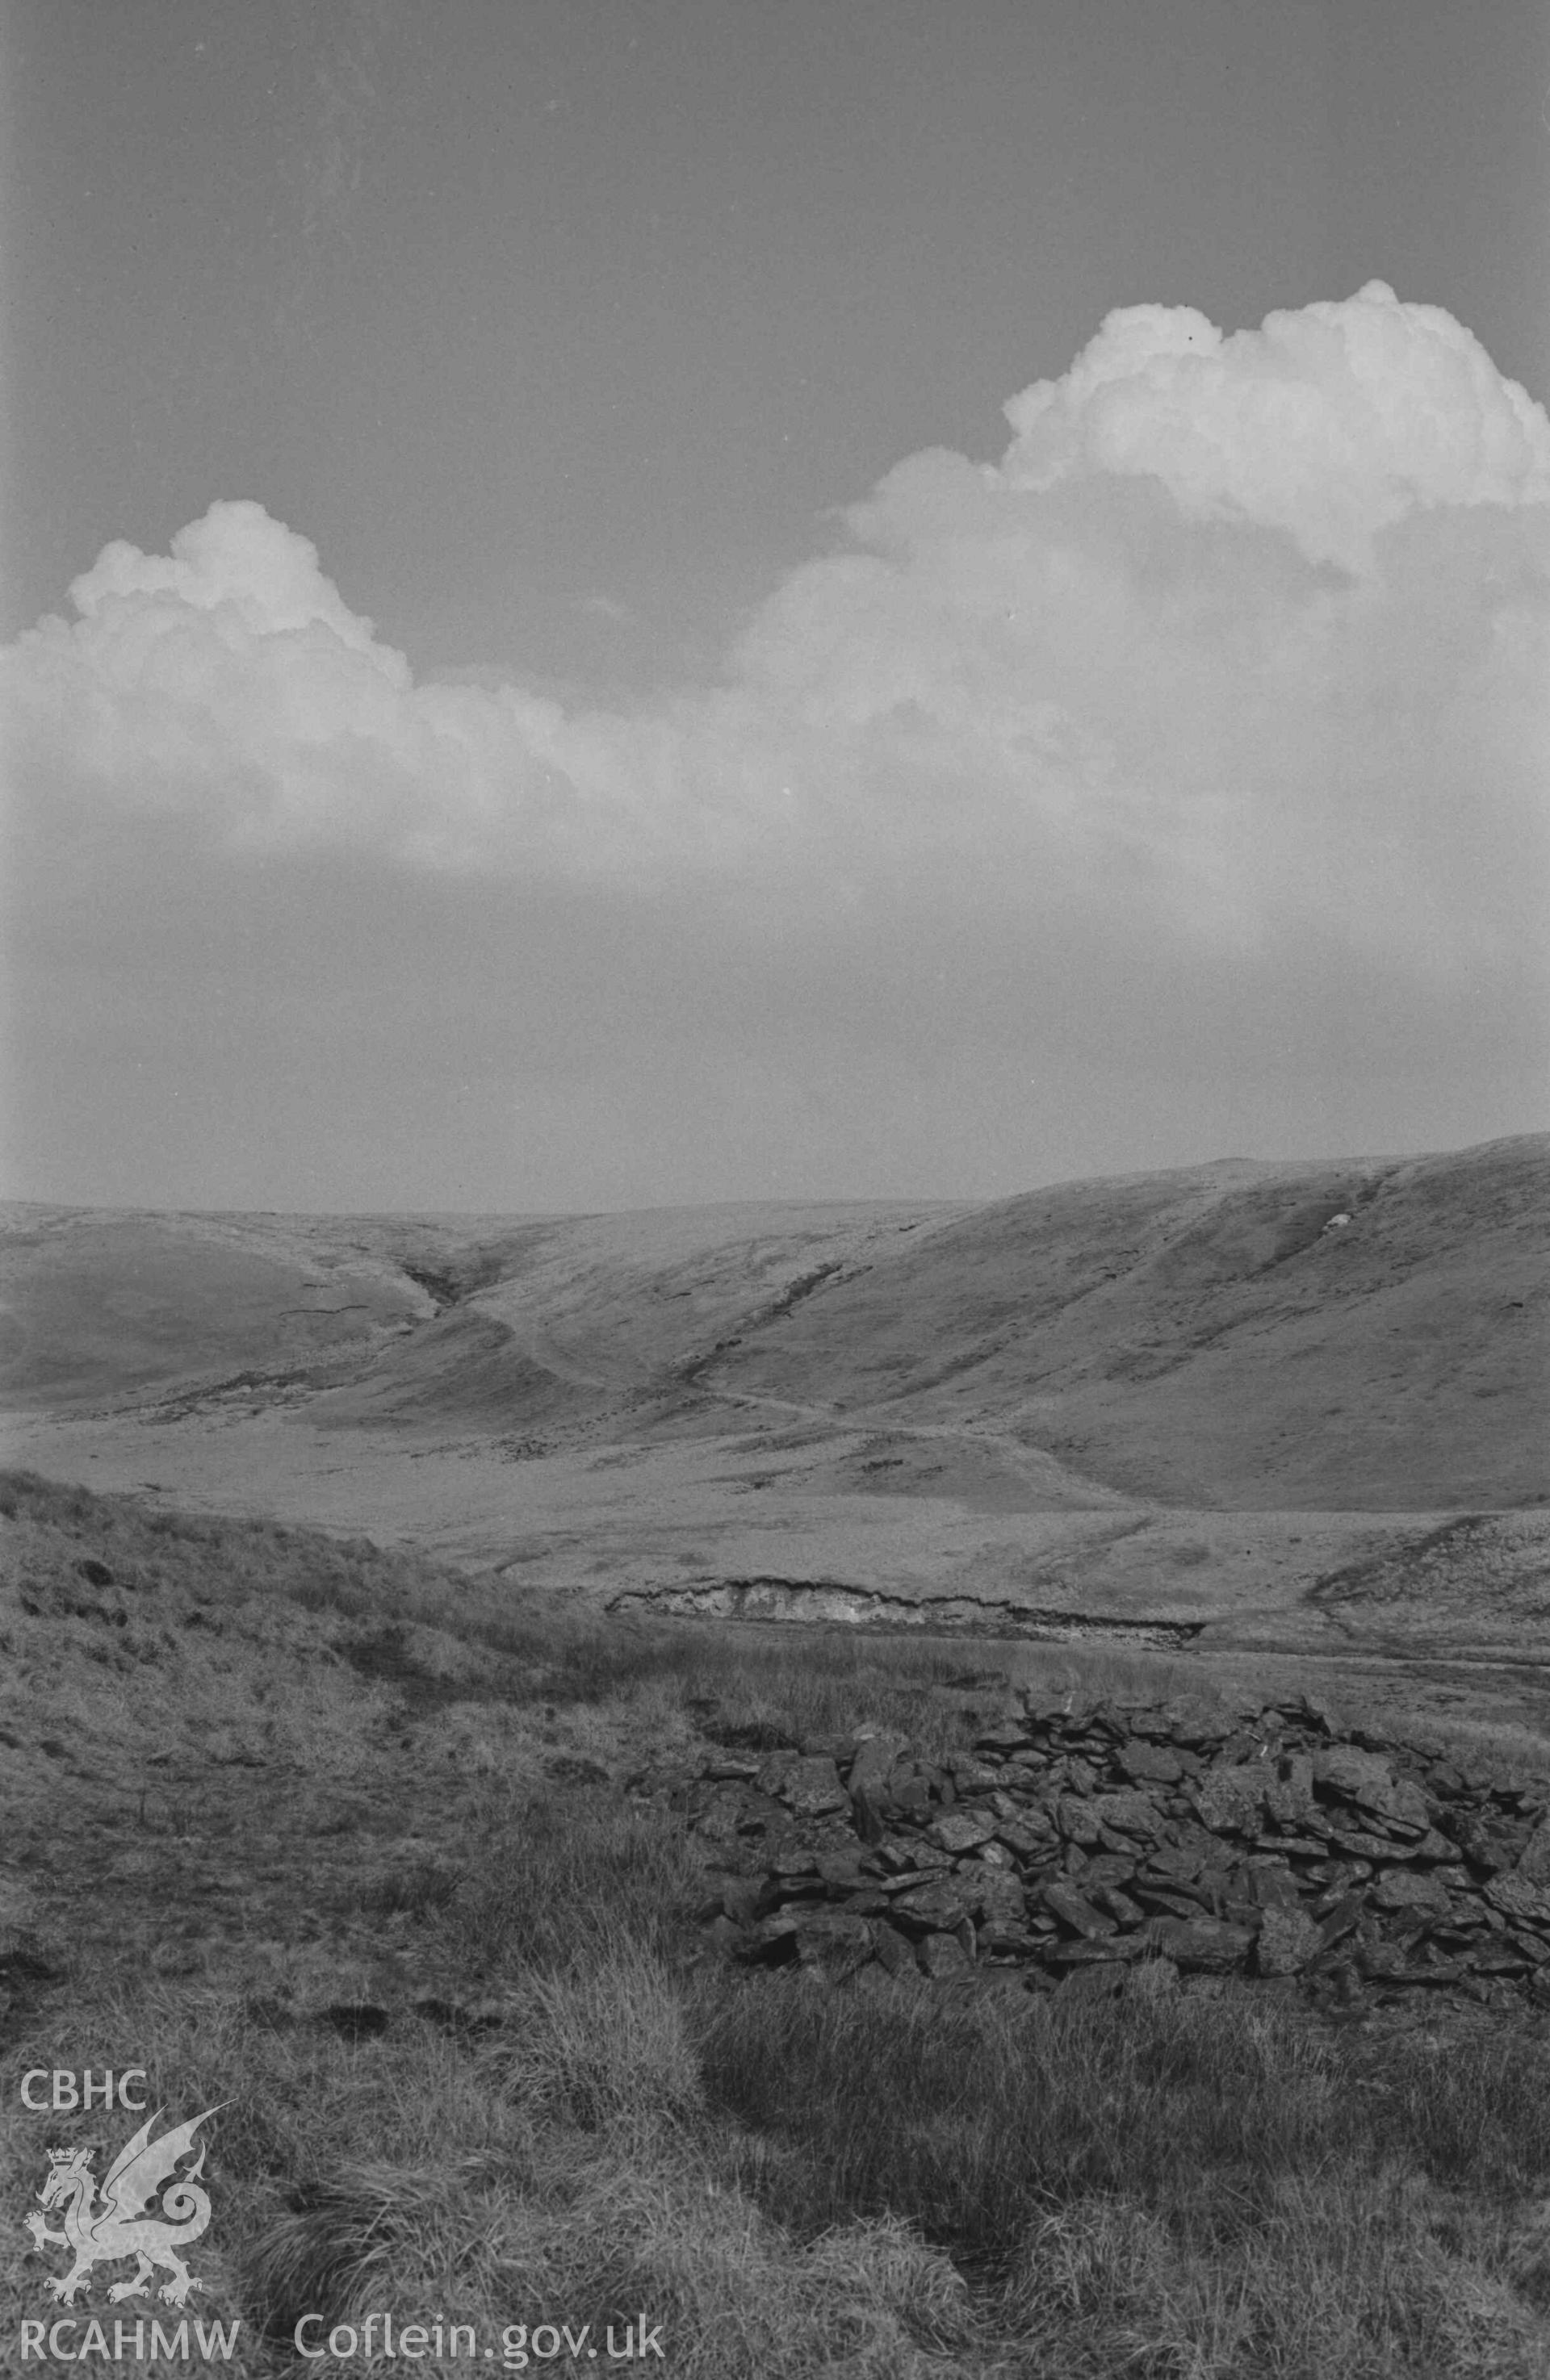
{"type": "Point", "coordinates": [360, 1569]}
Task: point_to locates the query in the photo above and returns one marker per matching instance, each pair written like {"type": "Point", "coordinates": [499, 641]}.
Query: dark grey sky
{"type": "Point", "coordinates": [562, 332]}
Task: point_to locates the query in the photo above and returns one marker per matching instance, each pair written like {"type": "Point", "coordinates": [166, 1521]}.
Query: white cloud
{"type": "Point", "coordinates": [1331, 423]}
{"type": "Point", "coordinates": [236, 556]}
{"type": "Point", "coordinates": [1243, 647]}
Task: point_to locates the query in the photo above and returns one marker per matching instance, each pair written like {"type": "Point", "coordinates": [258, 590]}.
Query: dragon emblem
{"type": "Point", "coordinates": [127, 2222]}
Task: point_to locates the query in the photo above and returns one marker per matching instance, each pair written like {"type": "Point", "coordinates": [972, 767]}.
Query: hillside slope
{"type": "Point", "coordinates": [1217, 1337]}
{"type": "Point", "coordinates": [593, 1312]}
{"type": "Point", "coordinates": [1366, 1337]}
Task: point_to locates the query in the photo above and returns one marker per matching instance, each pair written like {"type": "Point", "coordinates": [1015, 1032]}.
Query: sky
{"type": "Point", "coordinates": [660, 600]}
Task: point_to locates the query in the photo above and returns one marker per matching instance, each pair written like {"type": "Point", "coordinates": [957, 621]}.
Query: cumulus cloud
{"type": "Point", "coordinates": [1331, 423]}
{"type": "Point", "coordinates": [1242, 645]}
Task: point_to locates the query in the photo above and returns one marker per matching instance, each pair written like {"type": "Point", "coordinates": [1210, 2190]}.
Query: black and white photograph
{"type": "Point", "coordinates": [775, 1189]}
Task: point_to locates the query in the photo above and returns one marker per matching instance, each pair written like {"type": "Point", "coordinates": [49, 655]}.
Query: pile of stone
{"type": "Point", "coordinates": [1340, 1867]}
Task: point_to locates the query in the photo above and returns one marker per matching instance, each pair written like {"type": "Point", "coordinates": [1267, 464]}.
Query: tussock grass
{"type": "Point", "coordinates": [975, 2118]}
{"type": "Point", "coordinates": [889, 2182]}
{"type": "Point", "coordinates": [896, 2182]}
{"type": "Point", "coordinates": [216, 1560]}
{"type": "Point", "coordinates": [421, 1890]}
{"type": "Point", "coordinates": [584, 1881]}
{"type": "Point", "coordinates": [605, 2046]}
{"type": "Point", "coordinates": [760, 1688]}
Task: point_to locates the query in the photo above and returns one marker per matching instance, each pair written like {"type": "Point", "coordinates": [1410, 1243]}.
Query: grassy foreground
{"type": "Point", "coordinates": [336, 1841]}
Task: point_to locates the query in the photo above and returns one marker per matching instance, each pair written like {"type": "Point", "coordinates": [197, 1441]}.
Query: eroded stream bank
{"type": "Point", "coordinates": [829, 1603]}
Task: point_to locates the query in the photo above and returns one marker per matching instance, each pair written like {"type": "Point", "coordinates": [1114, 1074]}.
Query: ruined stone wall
{"type": "Point", "coordinates": [1337, 1866]}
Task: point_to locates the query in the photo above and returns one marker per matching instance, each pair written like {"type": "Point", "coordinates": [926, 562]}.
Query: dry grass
{"type": "Point", "coordinates": [585, 2123]}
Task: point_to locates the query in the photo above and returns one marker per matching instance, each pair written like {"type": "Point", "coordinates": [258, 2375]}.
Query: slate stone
{"type": "Point", "coordinates": [1340, 1920]}
{"type": "Point", "coordinates": [912, 1877]}
{"type": "Point", "coordinates": [1370, 1783]}
{"type": "Point", "coordinates": [1073, 1910]}
{"type": "Point", "coordinates": [1199, 1946]}
{"type": "Point", "coordinates": [837, 1940]}
{"type": "Point", "coordinates": [939, 1955]}
{"type": "Point", "coordinates": [1288, 1795]}
{"type": "Point", "coordinates": [872, 1768]}
{"type": "Point", "coordinates": [1162, 1900]}
{"type": "Point", "coordinates": [1097, 1950]}
{"type": "Point", "coordinates": [1533, 1863]}
{"type": "Point", "coordinates": [1025, 1842]}
{"type": "Point", "coordinates": [1154, 1763]}
{"type": "Point", "coordinates": [789, 1892]}
{"type": "Point", "coordinates": [1119, 1905]}
{"type": "Point", "coordinates": [842, 1867]}
{"type": "Point", "coordinates": [775, 1768]}
{"type": "Point", "coordinates": [736, 1895]}
{"type": "Point", "coordinates": [1287, 1942]}
{"type": "Point", "coordinates": [1008, 1942]}
{"type": "Point", "coordinates": [933, 1908]}
{"type": "Point", "coordinates": [1128, 1813]}
{"type": "Point", "coordinates": [1112, 1867]}
{"type": "Point", "coordinates": [1230, 1800]}
{"type": "Point", "coordinates": [1183, 1859]}
{"type": "Point", "coordinates": [799, 1860]}
{"type": "Point", "coordinates": [996, 1898]}
{"type": "Point", "coordinates": [728, 1766]}
{"type": "Point", "coordinates": [1077, 1820]}
{"type": "Point", "coordinates": [1410, 1812]}
{"type": "Point", "coordinates": [1051, 1709]}
{"type": "Point", "coordinates": [895, 1951]}
{"type": "Point", "coordinates": [1391, 1962]}
{"type": "Point", "coordinates": [1152, 1977]}
{"type": "Point", "coordinates": [840, 1749]}
{"type": "Point", "coordinates": [1365, 1778]}
{"type": "Point", "coordinates": [1249, 1747]}
{"type": "Point", "coordinates": [1324, 1849]}
{"type": "Point", "coordinates": [1218, 1884]}
{"type": "Point", "coordinates": [761, 1814]}
{"type": "Point", "coordinates": [1151, 1725]}
{"type": "Point", "coordinates": [1502, 1957]}
{"type": "Point", "coordinates": [1355, 1842]}
{"type": "Point", "coordinates": [1193, 1722]}
{"type": "Point", "coordinates": [770, 1940]}
{"type": "Point", "coordinates": [893, 1856]}
{"type": "Point", "coordinates": [969, 1774]}
{"type": "Point", "coordinates": [962, 1830]}
{"type": "Point", "coordinates": [1487, 1843]}
{"type": "Point", "coordinates": [1403, 1889]}
{"type": "Point", "coordinates": [812, 1787]}
{"type": "Point", "coordinates": [1272, 1886]}
{"type": "Point", "coordinates": [1517, 1897]}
